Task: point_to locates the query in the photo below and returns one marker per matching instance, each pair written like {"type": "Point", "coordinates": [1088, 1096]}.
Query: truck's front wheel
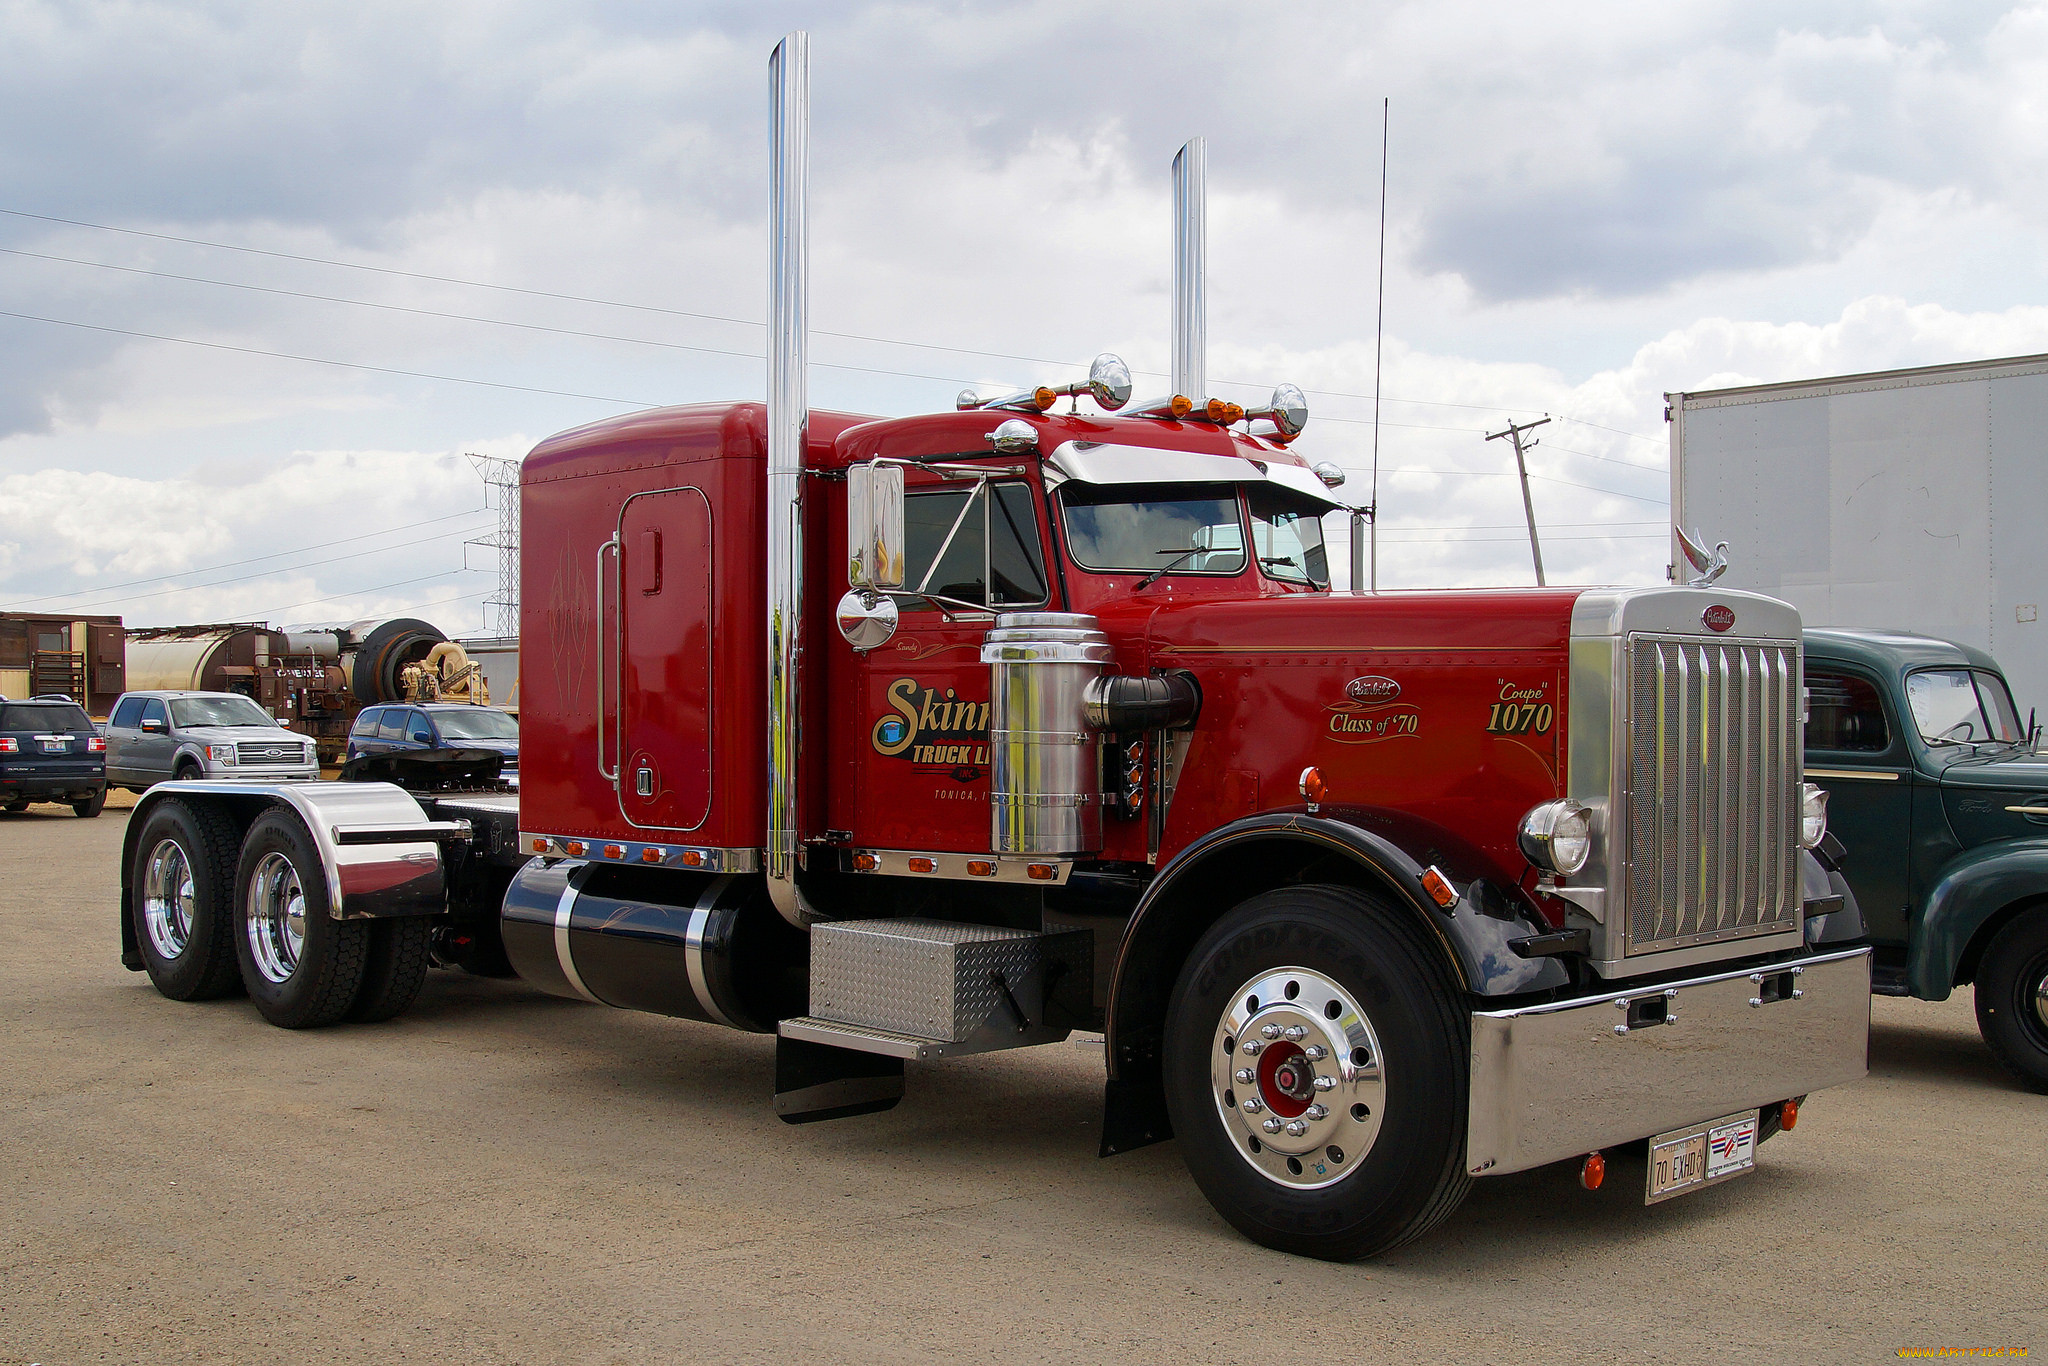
{"type": "Point", "coordinates": [302, 967]}
{"type": "Point", "coordinates": [2012, 998]}
{"type": "Point", "coordinates": [1316, 1074]}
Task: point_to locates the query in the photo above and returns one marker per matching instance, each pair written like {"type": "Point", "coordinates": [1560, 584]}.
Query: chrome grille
{"type": "Point", "coordinates": [270, 752]}
{"type": "Point", "coordinates": [1713, 790]}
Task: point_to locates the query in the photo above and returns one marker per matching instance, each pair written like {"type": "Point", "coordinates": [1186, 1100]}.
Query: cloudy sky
{"type": "Point", "coordinates": [269, 272]}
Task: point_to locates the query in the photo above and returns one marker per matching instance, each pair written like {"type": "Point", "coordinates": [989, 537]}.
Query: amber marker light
{"type": "Point", "coordinates": [615, 851]}
{"type": "Point", "coordinates": [979, 867]}
{"type": "Point", "coordinates": [651, 855]}
{"type": "Point", "coordinates": [865, 863]}
{"type": "Point", "coordinates": [1439, 888]}
{"type": "Point", "coordinates": [1040, 872]}
{"type": "Point", "coordinates": [1594, 1171]}
{"type": "Point", "coordinates": [692, 859]}
{"type": "Point", "coordinates": [1043, 397]}
{"type": "Point", "coordinates": [1788, 1118]}
{"type": "Point", "coordinates": [924, 865]}
{"type": "Point", "coordinates": [1181, 406]}
{"type": "Point", "coordinates": [1313, 788]}
{"type": "Point", "coordinates": [540, 846]}
{"type": "Point", "coordinates": [575, 848]}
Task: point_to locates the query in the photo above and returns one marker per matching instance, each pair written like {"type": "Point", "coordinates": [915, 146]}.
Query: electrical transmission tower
{"type": "Point", "coordinates": [1514, 433]}
{"type": "Point", "coordinates": [501, 479]}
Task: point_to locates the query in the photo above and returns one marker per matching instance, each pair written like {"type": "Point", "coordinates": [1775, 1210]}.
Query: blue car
{"type": "Point", "coordinates": [436, 725]}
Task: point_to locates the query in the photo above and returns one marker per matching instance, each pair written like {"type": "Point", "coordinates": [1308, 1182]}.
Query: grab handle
{"type": "Point", "coordinates": [610, 775]}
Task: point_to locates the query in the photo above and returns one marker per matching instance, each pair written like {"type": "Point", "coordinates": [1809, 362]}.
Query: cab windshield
{"type": "Point", "coordinates": [1287, 533]}
{"type": "Point", "coordinates": [1178, 528]}
{"type": "Point", "coordinates": [218, 711]}
{"type": "Point", "coordinates": [1962, 706]}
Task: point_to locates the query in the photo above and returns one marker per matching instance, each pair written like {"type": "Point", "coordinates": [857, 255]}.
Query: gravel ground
{"type": "Point", "coordinates": [503, 1176]}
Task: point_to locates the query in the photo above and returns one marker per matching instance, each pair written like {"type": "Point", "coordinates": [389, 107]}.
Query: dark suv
{"type": "Point", "coordinates": [51, 752]}
{"type": "Point", "coordinates": [437, 725]}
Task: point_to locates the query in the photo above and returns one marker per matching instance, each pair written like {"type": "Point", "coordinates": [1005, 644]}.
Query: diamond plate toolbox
{"type": "Point", "coordinates": [931, 978]}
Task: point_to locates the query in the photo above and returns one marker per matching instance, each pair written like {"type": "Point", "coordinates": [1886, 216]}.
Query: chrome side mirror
{"type": "Point", "coordinates": [1331, 476]}
{"type": "Point", "coordinates": [866, 618]}
{"type": "Point", "coordinates": [874, 526]}
{"type": "Point", "coordinates": [1109, 382]}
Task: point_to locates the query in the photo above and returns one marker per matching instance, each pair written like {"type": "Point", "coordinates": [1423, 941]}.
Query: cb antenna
{"type": "Point", "coordinates": [1379, 333]}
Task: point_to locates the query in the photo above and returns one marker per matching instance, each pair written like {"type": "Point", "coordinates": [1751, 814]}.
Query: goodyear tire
{"type": "Point", "coordinates": [302, 968]}
{"type": "Point", "coordinates": [182, 901]}
{"type": "Point", "coordinates": [394, 969]}
{"type": "Point", "coordinates": [2012, 998]}
{"type": "Point", "coordinates": [1315, 1070]}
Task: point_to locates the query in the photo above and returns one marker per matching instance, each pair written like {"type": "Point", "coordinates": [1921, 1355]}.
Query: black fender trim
{"type": "Point", "coordinates": [1395, 848]}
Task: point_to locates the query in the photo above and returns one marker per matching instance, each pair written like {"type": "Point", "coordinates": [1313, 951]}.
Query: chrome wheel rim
{"type": "Point", "coordinates": [167, 899]}
{"type": "Point", "coordinates": [1299, 1078]}
{"type": "Point", "coordinates": [2041, 998]}
{"type": "Point", "coordinates": [277, 918]}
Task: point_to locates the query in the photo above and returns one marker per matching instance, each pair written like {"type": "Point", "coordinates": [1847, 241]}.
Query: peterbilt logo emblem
{"type": "Point", "coordinates": [1372, 689]}
{"type": "Point", "coordinates": [1718, 617]}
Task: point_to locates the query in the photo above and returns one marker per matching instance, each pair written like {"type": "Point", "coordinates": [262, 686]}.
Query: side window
{"type": "Point", "coordinates": [366, 721]}
{"type": "Point", "coordinates": [420, 730]}
{"type": "Point", "coordinates": [127, 714]}
{"type": "Point", "coordinates": [1845, 714]}
{"type": "Point", "coordinates": [153, 710]}
{"type": "Point", "coordinates": [393, 725]}
{"type": "Point", "coordinates": [1004, 519]}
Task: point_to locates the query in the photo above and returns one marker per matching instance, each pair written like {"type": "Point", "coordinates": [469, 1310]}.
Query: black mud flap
{"type": "Point", "coordinates": [815, 1081]}
{"type": "Point", "coordinates": [1134, 1114]}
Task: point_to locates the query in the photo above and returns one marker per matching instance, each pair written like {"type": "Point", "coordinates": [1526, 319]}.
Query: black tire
{"type": "Point", "coordinates": [91, 806]}
{"type": "Point", "coordinates": [395, 970]}
{"type": "Point", "coordinates": [17, 806]}
{"type": "Point", "coordinates": [2012, 998]}
{"type": "Point", "coordinates": [189, 772]}
{"type": "Point", "coordinates": [187, 938]}
{"type": "Point", "coordinates": [1406, 1171]}
{"type": "Point", "coordinates": [310, 982]}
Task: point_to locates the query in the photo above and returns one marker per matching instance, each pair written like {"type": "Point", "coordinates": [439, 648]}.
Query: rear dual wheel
{"type": "Point", "coordinates": [303, 968]}
{"type": "Point", "coordinates": [181, 897]}
{"type": "Point", "coordinates": [1316, 1074]}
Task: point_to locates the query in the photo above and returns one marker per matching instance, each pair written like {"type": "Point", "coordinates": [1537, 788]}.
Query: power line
{"type": "Point", "coordinates": [240, 578]}
{"type": "Point", "coordinates": [321, 360]}
{"type": "Point", "coordinates": [652, 308]}
{"type": "Point", "coordinates": [236, 564]}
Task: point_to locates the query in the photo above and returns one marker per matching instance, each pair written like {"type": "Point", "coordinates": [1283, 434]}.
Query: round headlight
{"type": "Point", "coordinates": [1813, 815]}
{"type": "Point", "coordinates": [1558, 836]}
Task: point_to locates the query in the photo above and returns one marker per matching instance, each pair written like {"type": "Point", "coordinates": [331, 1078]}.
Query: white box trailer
{"type": "Point", "coordinates": [1907, 499]}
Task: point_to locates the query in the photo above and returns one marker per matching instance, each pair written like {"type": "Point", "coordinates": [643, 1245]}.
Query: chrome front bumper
{"type": "Point", "coordinates": [1555, 1081]}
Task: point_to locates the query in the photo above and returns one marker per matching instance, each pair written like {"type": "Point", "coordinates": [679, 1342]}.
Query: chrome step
{"type": "Point", "coordinates": [884, 1041]}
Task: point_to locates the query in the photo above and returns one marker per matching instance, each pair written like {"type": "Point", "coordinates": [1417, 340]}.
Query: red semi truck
{"type": "Point", "coordinates": [910, 738]}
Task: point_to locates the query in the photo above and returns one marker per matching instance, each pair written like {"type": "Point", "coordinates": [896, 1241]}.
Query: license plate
{"type": "Point", "coordinates": [55, 746]}
{"type": "Point", "coordinates": [1687, 1159]}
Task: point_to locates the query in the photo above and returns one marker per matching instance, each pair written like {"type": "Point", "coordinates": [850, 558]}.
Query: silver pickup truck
{"type": "Point", "coordinates": [156, 736]}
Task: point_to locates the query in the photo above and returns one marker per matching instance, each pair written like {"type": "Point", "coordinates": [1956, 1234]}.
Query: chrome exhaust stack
{"type": "Point", "coordinates": [1190, 267]}
{"type": "Point", "coordinates": [789, 75]}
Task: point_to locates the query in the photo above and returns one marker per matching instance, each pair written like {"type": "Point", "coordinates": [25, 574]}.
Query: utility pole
{"type": "Point", "coordinates": [1514, 433]}
{"type": "Point", "coordinates": [501, 478]}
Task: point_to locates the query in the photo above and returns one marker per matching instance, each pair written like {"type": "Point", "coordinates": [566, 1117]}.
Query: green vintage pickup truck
{"type": "Point", "coordinates": [1940, 802]}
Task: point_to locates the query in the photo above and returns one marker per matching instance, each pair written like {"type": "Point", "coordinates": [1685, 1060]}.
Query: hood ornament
{"type": "Point", "coordinates": [1707, 567]}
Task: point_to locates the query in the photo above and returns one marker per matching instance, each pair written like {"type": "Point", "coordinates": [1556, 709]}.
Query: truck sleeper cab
{"type": "Point", "coordinates": [1370, 894]}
